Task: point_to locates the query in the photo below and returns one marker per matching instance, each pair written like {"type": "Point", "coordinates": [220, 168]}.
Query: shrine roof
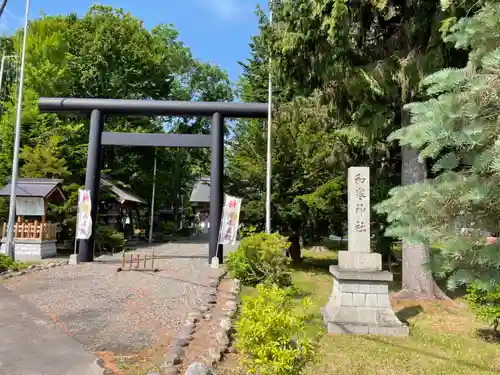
{"type": "Point", "coordinates": [201, 191]}
{"type": "Point", "coordinates": [122, 193]}
{"type": "Point", "coordinates": [33, 187]}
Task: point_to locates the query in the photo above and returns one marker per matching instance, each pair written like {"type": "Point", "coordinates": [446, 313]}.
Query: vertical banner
{"type": "Point", "coordinates": [230, 220]}
{"type": "Point", "coordinates": [83, 219]}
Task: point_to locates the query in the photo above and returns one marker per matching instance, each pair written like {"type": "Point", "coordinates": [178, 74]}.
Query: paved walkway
{"type": "Point", "coordinates": [32, 344]}
{"type": "Point", "coordinates": [99, 309]}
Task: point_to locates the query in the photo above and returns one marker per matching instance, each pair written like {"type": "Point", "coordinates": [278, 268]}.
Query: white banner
{"type": "Point", "coordinates": [230, 220]}
{"type": "Point", "coordinates": [30, 206]}
{"type": "Point", "coordinates": [83, 219]}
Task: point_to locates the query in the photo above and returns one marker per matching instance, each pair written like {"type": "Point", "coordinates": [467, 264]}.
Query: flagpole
{"type": "Point", "coordinates": [269, 137]}
{"type": "Point", "coordinates": [17, 143]}
{"type": "Point", "coordinates": [153, 202]}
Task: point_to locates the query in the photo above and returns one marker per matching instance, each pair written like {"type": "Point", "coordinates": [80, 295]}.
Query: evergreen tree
{"type": "Point", "coordinates": [356, 63]}
{"type": "Point", "coordinates": [108, 53]}
{"type": "Point", "coordinates": [44, 161]}
{"type": "Point", "coordinates": [307, 195]}
{"type": "Point", "coordinates": [457, 129]}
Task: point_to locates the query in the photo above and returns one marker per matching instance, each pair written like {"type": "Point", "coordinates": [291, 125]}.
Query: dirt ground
{"type": "Point", "coordinates": [127, 314]}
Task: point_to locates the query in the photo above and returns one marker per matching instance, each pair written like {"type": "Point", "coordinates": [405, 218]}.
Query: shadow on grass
{"type": "Point", "coordinates": [298, 294]}
{"type": "Point", "coordinates": [488, 335]}
{"type": "Point", "coordinates": [334, 244]}
{"type": "Point", "coordinates": [453, 294]}
{"type": "Point", "coordinates": [432, 354]}
{"type": "Point", "coordinates": [314, 265]}
{"type": "Point", "coordinates": [409, 312]}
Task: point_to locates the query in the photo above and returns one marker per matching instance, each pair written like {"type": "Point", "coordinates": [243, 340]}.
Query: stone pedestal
{"type": "Point", "coordinates": [360, 261]}
{"type": "Point", "coordinates": [32, 249]}
{"type": "Point", "coordinates": [360, 304]}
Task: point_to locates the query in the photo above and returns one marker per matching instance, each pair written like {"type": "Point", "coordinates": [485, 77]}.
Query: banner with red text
{"type": "Point", "coordinates": [83, 219]}
{"type": "Point", "coordinates": [230, 220]}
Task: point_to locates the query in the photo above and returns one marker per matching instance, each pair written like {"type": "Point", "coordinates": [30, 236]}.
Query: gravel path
{"type": "Point", "coordinates": [122, 312]}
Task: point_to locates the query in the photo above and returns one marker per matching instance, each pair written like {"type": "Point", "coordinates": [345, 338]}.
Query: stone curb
{"type": "Point", "coordinates": [33, 268]}
{"type": "Point", "coordinates": [225, 332]}
{"type": "Point", "coordinates": [176, 353]}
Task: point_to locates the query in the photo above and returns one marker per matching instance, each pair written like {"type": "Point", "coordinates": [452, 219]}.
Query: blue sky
{"type": "Point", "coordinates": [217, 31]}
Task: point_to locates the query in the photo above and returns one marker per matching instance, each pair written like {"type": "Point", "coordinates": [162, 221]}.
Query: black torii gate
{"type": "Point", "coordinates": [98, 108]}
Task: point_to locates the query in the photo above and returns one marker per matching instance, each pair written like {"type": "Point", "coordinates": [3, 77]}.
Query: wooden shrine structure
{"type": "Point", "coordinates": [200, 201]}
{"type": "Point", "coordinates": [34, 237]}
{"type": "Point", "coordinates": [119, 206]}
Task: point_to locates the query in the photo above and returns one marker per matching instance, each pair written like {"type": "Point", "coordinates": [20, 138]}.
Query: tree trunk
{"type": "Point", "coordinates": [417, 279]}
{"type": "Point", "coordinates": [383, 246]}
{"type": "Point", "coordinates": [294, 250]}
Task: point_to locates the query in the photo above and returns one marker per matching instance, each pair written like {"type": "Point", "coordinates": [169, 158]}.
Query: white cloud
{"type": "Point", "coordinates": [229, 10]}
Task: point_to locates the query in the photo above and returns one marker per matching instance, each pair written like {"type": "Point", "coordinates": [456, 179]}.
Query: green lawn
{"type": "Point", "coordinates": [443, 338]}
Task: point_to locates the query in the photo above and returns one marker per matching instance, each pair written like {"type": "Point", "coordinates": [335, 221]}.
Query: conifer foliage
{"type": "Point", "coordinates": [458, 130]}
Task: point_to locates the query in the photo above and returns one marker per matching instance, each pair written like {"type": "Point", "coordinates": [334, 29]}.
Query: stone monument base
{"type": "Point", "coordinates": [360, 304]}
{"type": "Point", "coordinates": [31, 249]}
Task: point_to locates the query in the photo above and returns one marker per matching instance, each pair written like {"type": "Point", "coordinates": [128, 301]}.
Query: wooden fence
{"type": "Point", "coordinates": [33, 230]}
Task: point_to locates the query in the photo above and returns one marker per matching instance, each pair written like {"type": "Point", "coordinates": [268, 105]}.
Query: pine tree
{"type": "Point", "coordinates": [44, 161]}
{"type": "Point", "coordinates": [458, 130]}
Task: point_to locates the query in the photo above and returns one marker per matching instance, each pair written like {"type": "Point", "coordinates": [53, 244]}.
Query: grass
{"type": "Point", "coordinates": [7, 263]}
{"type": "Point", "coordinates": [443, 339]}
{"type": "Point", "coordinates": [27, 263]}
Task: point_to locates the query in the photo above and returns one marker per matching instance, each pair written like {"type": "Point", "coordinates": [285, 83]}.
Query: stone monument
{"type": "Point", "coordinates": [360, 302]}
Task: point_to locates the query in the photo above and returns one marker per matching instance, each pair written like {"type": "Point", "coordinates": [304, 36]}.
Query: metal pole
{"type": "Point", "coordinates": [2, 67]}
{"type": "Point", "coordinates": [269, 138]}
{"type": "Point", "coordinates": [92, 182]}
{"type": "Point", "coordinates": [216, 187]}
{"type": "Point", "coordinates": [182, 213]}
{"type": "Point", "coordinates": [17, 143]}
{"type": "Point", "coordinates": [153, 201]}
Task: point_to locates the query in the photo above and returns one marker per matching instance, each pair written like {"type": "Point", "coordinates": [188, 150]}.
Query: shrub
{"type": "Point", "coordinates": [485, 304]}
{"type": "Point", "coordinates": [6, 263]}
{"type": "Point", "coordinates": [185, 232]}
{"type": "Point", "coordinates": [271, 333]}
{"type": "Point", "coordinates": [169, 227]}
{"type": "Point", "coordinates": [247, 231]}
{"type": "Point", "coordinates": [260, 259]}
{"type": "Point", "coordinates": [108, 239]}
